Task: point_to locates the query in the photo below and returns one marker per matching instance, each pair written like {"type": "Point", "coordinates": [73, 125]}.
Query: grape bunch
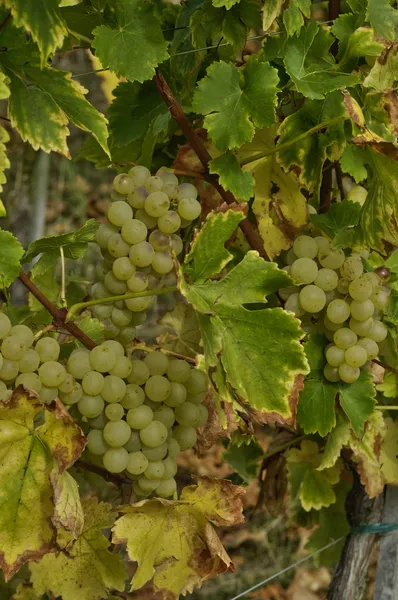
{"type": "Point", "coordinates": [333, 295]}
{"type": "Point", "coordinates": [138, 242]}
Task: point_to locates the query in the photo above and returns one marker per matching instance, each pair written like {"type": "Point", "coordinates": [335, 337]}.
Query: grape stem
{"type": "Point", "coordinates": [145, 348]}
{"type": "Point", "coordinates": [58, 315]}
{"type": "Point", "coordinates": [62, 294]}
{"type": "Point", "coordinates": [80, 305]}
{"type": "Point", "coordinates": [111, 477]}
{"type": "Point", "coordinates": [386, 367]}
{"type": "Point", "coordinates": [45, 329]}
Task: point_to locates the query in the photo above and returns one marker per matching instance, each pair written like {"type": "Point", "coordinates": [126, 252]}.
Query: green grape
{"type": "Point", "coordinates": [103, 233]}
{"type": "Point", "coordinates": [322, 243]}
{"type": "Point", "coordinates": [331, 373]}
{"type": "Point", "coordinates": [115, 460]}
{"type": "Point", "coordinates": [141, 255]}
{"type": "Point", "coordinates": [98, 422]}
{"type": "Point", "coordinates": [345, 338]}
{"type": "Point", "coordinates": [29, 380]}
{"type": "Point", "coordinates": [352, 267]}
{"type": "Point", "coordinates": [138, 282]}
{"type": "Point", "coordinates": [90, 406]}
{"type": "Point", "coordinates": [3, 386]}
{"type": "Point", "coordinates": [9, 369]}
{"type": "Point", "coordinates": [292, 304]}
{"type": "Point", "coordinates": [116, 347]}
{"type": "Point", "coordinates": [13, 347]}
{"type": "Point", "coordinates": [170, 467]}
{"type": "Point", "coordinates": [335, 356]}
{"type": "Point", "coordinates": [123, 184]}
{"type": "Point", "coordinates": [117, 433]}
{"type": "Point", "coordinates": [348, 374]}
{"type": "Point", "coordinates": [123, 269]}
{"type": "Point", "coordinates": [290, 257]}
{"type": "Point", "coordinates": [173, 447]}
{"type": "Point", "coordinates": [138, 304]}
{"type": "Point", "coordinates": [327, 280]}
{"type": "Point", "coordinates": [198, 381]}
{"type": "Point", "coordinates": [332, 259]}
{"type": "Point", "coordinates": [113, 284]}
{"type": "Point", "coordinates": [157, 363]}
{"type": "Point", "coordinates": [356, 356]}
{"type": "Point", "coordinates": [286, 292]}
{"type": "Point", "coordinates": [381, 298]}
{"type": "Point", "coordinates": [166, 488]}
{"type": "Point", "coordinates": [187, 414]}
{"type": "Point", "coordinates": [189, 209]}
{"type": "Point", "coordinates": [115, 196]}
{"type": "Point", "coordinates": [176, 244]}
{"type": "Point", "coordinates": [125, 337]}
{"type": "Point", "coordinates": [373, 279]}
{"type": "Point", "coordinates": [29, 362]}
{"type": "Point", "coordinates": [157, 453]}
{"type": "Point", "coordinates": [139, 492]}
{"type": "Point", "coordinates": [148, 485]}
{"type": "Point", "coordinates": [133, 397]}
{"type": "Point", "coordinates": [119, 212]}
{"type": "Point", "coordinates": [24, 333]}
{"type": "Point", "coordinates": [304, 270]}
{"type": "Point", "coordinates": [159, 241]}
{"type": "Point", "coordinates": [185, 436]}
{"type": "Point", "coordinates": [329, 325]}
{"type": "Point", "coordinates": [343, 285]}
{"type": "Point", "coordinates": [114, 412]}
{"type": "Point", "coordinates": [102, 311]}
{"type": "Point", "coordinates": [362, 310]}
{"type": "Point", "coordinates": [142, 215]}
{"type": "Point", "coordinates": [162, 263]}
{"type": "Point", "coordinates": [137, 463]}
{"type": "Point", "coordinates": [157, 388]}
{"type": "Point", "coordinates": [136, 198]}
{"type": "Point", "coordinates": [203, 416]}
{"type": "Point", "coordinates": [122, 368]}
{"type": "Point", "coordinates": [361, 328]}
{"type": "Point", "coordinates": [154, 434]}
{"type": "Point", "coordinates": [357, 194]}
{"type": "Point", "coordinates": [154, 184]}
{"type": "Point", "coordinates": [5, 395]}
{"type": "Point", "coordinates": [312, 299]}
{"type": "Point", "coordinates": [154, 470]}
{"type": "Point", "coordinates": [134, 443]}
{"type": "Point", "coordinates": [338, 311]}
{"type": "Point", "coordinates": [48, 394]}
{"type": "Point", "coordinates": [114, 389]}
{"type": "Point", "coordinates": [187, 190]}
{"type": "Point", "coordinates": [102, 358]}
{"type": "Point", "coordinates": [93, 383]}
{"type": "Point", "coordinates": [165, 415]}
{"type": "Point", "coordinates": [360, 289]}
{"type": "Point", "coordinates": [305, 247]}
{"type": "Point", "coordinates": [5, 325]}
{"type": "Point", "coordinates": [98, 291]}
{"type": "Point", "coordinates": [170, 222]}
{"type": "Point", "coordinates": [121, 317]}
{"type": "Point", "coordinates": [178, 370]}
{"type": "Point", "coordinates": [52, 373]}
{"type": "Point", "coordinates": [139, 417]}
{"type": "Point", "coordinates": [331, 296]}
{"type": "Point", "coordinates": [68, 384]}
{"type": "Point", "coordinates": [134, 231]}
{"type": "Point", "coordinates": [74, 396]}
{"type": "Point", "coordinates": [117, 247]}
{"type": "Point", "coordinates": [177, 395]}
{"type": "Point", "coordinates": [377, 333]}
{"type": "Point", "coordinates": [197, 398]}
{"type": "Point", "coordinates": [370, 346]}
{"type": "Point", "coordinates": [107, 259]}
{"type": "Point", "coordinates": [96, 443]}
{"type": "Point", "coordinates": [139, 372]}
{"type": "Point", "coordinates": [139, 174]}
{"type": "Point", "coordinates": [167, 176]}
{"type": "Point", "coordinates": [157, 204]}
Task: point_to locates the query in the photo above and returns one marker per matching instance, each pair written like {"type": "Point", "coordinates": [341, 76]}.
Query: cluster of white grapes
{"type": "Point", "coordinates": [138, 242]}
{"type": "Point", "coordinates": [332, 294]}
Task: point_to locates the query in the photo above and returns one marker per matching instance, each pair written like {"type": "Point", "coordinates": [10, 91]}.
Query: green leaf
{"type": "Point", "coordinates": [336, 440]}
{"type": "Point", "coordinates": [360, 43]}
{"type": "Point", "coordinates": [232, 177]}
{"type": "Point", "coordinates": [4, 163]}
{"type": "Point", "coordinates": [271, 11]}
{"type": "Point", "coordinates": [353, 162]}
{"type": "Point", "coordinates": [42, 18]}
{"type": "Point", "coordinates": [384, 72]}
{"type": "Point", "coordinates": [379, 112]}
{"type": "Point", "coordinates": [383, 18]}
{"type": "Point", "coordinates": [181, 333]}
{"type": "Point", "coordinates": [135, 45]}
{"type": "Point", "coordinates": [310, 65]}
{"type": "Point", "coordinates": [316, 407]}
{"type": "Point", "coordinates": [339, 216]}
{"type": "Point", "coordinates": [93, 328]}
{"type": "Point", "coordinates": [224, 3]}
{"type": "Point", "coordinates": [293, 15]}
{"type": "Point", "coordinates": [344, 27]}
{"type": "Point", "coordinates": [88, 570]}
{"type": "Point", "coordinates": [244, 459]}
{"type": "Point", "coordinates": [233, 107]}
{"type": "Point", "coordinates": [11, 253]}
{"type": "Point", "coordinates": [315, 353]}
{"type": "Point", "coordinates": [357, 400]}
{"type": "Point", "coordinates": [389, 387]}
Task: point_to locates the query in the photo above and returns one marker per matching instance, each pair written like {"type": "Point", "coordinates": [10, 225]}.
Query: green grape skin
{"type": "Point", "coordinates": [360, 289]}
{"type": "Point", "coordinates": [286, 292]}
{"type": "Point", "coordinates": [119, 212]}
{"type": "Point", "coordinates": [139, 174]}
{"type": "Point", "coordinates": [102, 311]}
{"type": "Point", "coordinates": [110, 329]}
{"type": "Point", "coordinates": [370, 346]}
{"type": "Point", "coordinates": [68, 384]}
{"type": "Point", "coordinates": [344, 338]}
{"type": "Point", "coordinates": [157, 388]}
{"type": "Point", "coordinates": [176, 244]}
{"type": "Point", "coordinates": [154, 434]}
{"type": "Point", "coordinates": [157, 453]}
{"type": "Point", "coordinates": [356, 356]}
{"type": "Point", "coordinates": [329, 325]}
{"type": "Point", "coordinates": [361, 311]}
{"type": "Point", "coordinates": [343, 285]}
{"type": "Point", "coordinates": [162, 263]}
{"type": "Point", "coordinates": [122, 368]}
{"type": "Point", "coordinates": [141, 255]}
{"type": "Point", "coordinates": [48, 394]}
{"type": "Point", "coordinates": [115, 460]}
{"type": "Point", "coordinates": [203, 416]}
{"type": "Point", "coordinates": [178, 370]}
{"type": "Point", "coordinates": [142, 215]}
{"type": "Point", "coordinates": [9, 369]}
{"type": "Point", "coordinates": [96, 443]}
{"type": "Point", "coordinates": [159, 241]}
{"type": "Point", "coordinates": [187, 190]}
{"type": "Point", "coordinates": [170, 222]}
{"type": "Point", "coordinates": [348, 374]}
{"type": "Point", "coordinates": [103, 233]}
{"type": "Point", "coordinates": [29, 380]}
{"type": "Point", "coordinates": [52, 373]}
{"type": "Point", "coordinates": [138, 304]}
{"type": "Point", "coordinates": [139, 372]}
{"type": "Point", "coordinates": [114, 412]}
{"type": "Point", "coordinates": [373, 279]}
{"type": "Point", "coordinates": [173, 448]}
{"type": "Point", "coordinates": [312, 299]}
{"type": "Point", "coordinates": [305, 247]}
{"type": "Point", "coordinates": [331, 373]}
{"type": "Point", "coordinates": [117, 247]}
{"type": "Point", "coordinates": [167, 176]}
{"type": "Point", "coordinates": [102, 358]}
{"type": "Point", "coordinates": [304, 271]}
{"type": "Point", "coordinates": [327, 280]}
{"type": "Point", "coordinates": [177, 395]}
{"type": "Point", "coordinates": [13, 348]}
{"type": "Point", "coordinates": [115, 196]}
{"type": "Point", "coordinates": [332, 259]}
{"type": "Point", "coordinates": [338, 311]}
{"type": "Point", "coordinates": [198, 381]}
{"type": "Point", "coordinates": [187, 414]}
{"type": "Point", "coordinates": [134, 442]}
{"type": "Point", "coordinates": [134, 231]}
{"type": "Point", "coordinates": [98, 422]}
{"type": "Point", "coordinates": [117, 433]}
{"type": "Point", "coordinates": [136, 198]}
{"type": "Point", "coordinates": [125, 337]}
{"type": "Point", "coordinates": [139, 417]}
{"type": "Point", "coordinates": [5, 395]}
{"type": "Point", "coordinates": [170, 467]}
{"type": "Point", "coordinates": [113, 284]}
{"type": "Point", "coordinates": [335, 356]}
{"type": "Point", "coordinates": [133, 397]}
{"type": "Point", "coordinates": [5, 325]}
{"type": "Point", "coordinates": [157, 363]}
{"type": "Point", "coordinates": [93, 383]}
{"type": "Point", "coordinates": [166, 488]}
{"type": "Point", "coordinates": [361, 328]}
{"type": "Point", "coordinates": [352, 267]}
{"type": "Point", "coordinates": [154, 470]}
{"type": "Point", "coordinates": [148, 485]}
{"type": "Point", "coordinates": [123, 269]}
{"type": "Point", "coordinates": [114, 389]}
{"type": "Point", "coordinates": [154, 183]}
{"type": "Point", "coordinates": [381, 298]}
{"type": "Point", "coordinates": [138, 282]}
{"type": "Point", "coordinates": [165, 415]}
{"type": "Point", "coordinates": [29, 362]}
{"type": "Point", "coordinates": [197, 398]}
{"type": "Point", "coordinates": [123, 184]}
{"type": "Point", "coordinates": [116, 347]}
{"type": "Point", "coordinates": [185, 436]}
{"type": "Point", "coordinates": [292, 304]}
{"type": "Point", "coordinates": [377, 333]}
{"type": "Point", "coordinates": [137, 463]}
{"type": "Point", "coordinates": [138, 491]}
{"type": "Point", "coordinates": [24, 333]}
{"type": "Point", "coordinates": [72, 397]}
{"type": "Point", "coordinates": [90, 406]}
{"type": "Point", "coordinates": [189, 209]}
{"type": "Point", "coordinates": [121, 317]}
{"type": "Point", "coordinates": [157, 204]}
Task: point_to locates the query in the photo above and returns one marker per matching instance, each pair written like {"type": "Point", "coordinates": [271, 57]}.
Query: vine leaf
{"type": "Point", "coordinates": [94, 328]}
{"type": "Point", "coordinates": [336, 440]}
{"type": "Point", "coordinates": [232, 177]}
{"type": "Point", "coordinates": [244, 339]}
{"type": "Point", "coordinates": [316, 407]}
{"type": "Point", "coordinates": [68, 511]}
{"type": "Point", "coordinates": [312, 487]}
{"type": "Point", "coordinates": [233, 108]}
{"type": "Point", "coordinates": [384, 72]}
{"type": "Point", "coordinates": [389, 452]}
{"type": "Point", "coordinates": [11, 253]}
{"type": "Point", "coordinates": [366, 453]}
{"type": "Point", "coordinates": [339, 216]}
{"type": "Point", "coordinates": [357, 400]}
{"type": "Point", "coordinates": [383, 18]}
{"type": "Point", "coordinates": [89, 570]}
{"type": "Point", "coordinates": [271, 11]}
{"type": "Point", "coordinates": [311, 66]}
{"type": "Point", "coordinates": [26, 497]}
{"type": "Point", "coordinates": [181, 333]}
{"type": "Point", "coordinates": [244, 459]}
{"type": "Point", "coordinates": [353, 162]}
{"type": "Point", "coordinates": [224, 3]}
{"type": "Point", "coordinates": [174, 542]}
{"type": "Point", "coordinates": [42, 18]}
{"type": "Point", "coordinates": [360, 42]}
{"type": "Point", "coordinates": [293, 15]}
{"type": "Point", "coordinates": [135, 45]}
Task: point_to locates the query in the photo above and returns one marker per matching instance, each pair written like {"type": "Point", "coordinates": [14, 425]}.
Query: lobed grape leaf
{"type": "Point", "coordinates": [169, 539]}
{"type": "Point", "coordinates": [271, 11]}
{"type": "Point", "coordinates": [11, 253]}
{"type": "Point", "coordinates": [357, 400]}
{"type": "Point", "coordinates": [88, 570]}
{"type": "Point", "coordinates": [232, 177]}
{"type": "Point", "coordinates": [383, 18]}
{"type": "Point", "coordinates": [366, 453]}
{"type": "Point", "coordinates": [389, 387]}
{"type": "Point", "coordinates": [336, 440]}
{"type": "Point", "coordinates": [316, 407]}
{"type": "Point", "coordinates": [312, 487]}
{"type": "Point", "coordinates": [236, 100]}
{"type": "Point", "coordinates": [339, 216]}
{"type": "Point", "coordinates": [181, 333]}
{"type": "Point", "coordinates": [93, 328]}
{"type": "Point", "coordinates": [134, 45]}
{"type": "Point", "coordinates": [29, 511]}
{"type": "Point", "coordinates": [384, 73]}
{"type": "Point", "coordinates": [25, 591]}
{"type": "Point", "coordinates": [244, 459]}
{"type": "Point", "coordinates": [68, 511]}
{"type": "Point", "coordinates": [360, 43]}
{"type": "Point", "coordinates": [224, 3]}
{"type": "Point", "coordinates": [293, 15]}
{"type": "Point", "coordinates": [353, 162]}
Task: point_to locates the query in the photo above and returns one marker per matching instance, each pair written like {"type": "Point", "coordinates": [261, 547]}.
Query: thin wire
{"type": "Point", "coordinates": [296, 564]}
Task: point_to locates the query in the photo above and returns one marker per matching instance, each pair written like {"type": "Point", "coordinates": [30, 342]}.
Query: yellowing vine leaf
{"type": "Point", "coordinates": [174, 542]}
{"type": "Point", "coordinates": [366, 453]}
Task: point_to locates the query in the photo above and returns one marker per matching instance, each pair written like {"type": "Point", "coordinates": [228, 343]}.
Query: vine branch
{"type": "Point", "coordinates": [176, 111]}
{"type": "Point", "coordinates": [58, 315]}
{"type": "Point", "coordinates": [111, 477]}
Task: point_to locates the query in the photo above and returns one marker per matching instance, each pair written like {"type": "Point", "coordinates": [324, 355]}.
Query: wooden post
{"type": "Point", "coordinates": [386, 587]}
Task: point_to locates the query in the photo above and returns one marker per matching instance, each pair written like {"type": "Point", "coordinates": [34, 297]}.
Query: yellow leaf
{"type": "Point", "coordinates": [366, 453]}
{"type": "Point", "coordinates": [68, 511]}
